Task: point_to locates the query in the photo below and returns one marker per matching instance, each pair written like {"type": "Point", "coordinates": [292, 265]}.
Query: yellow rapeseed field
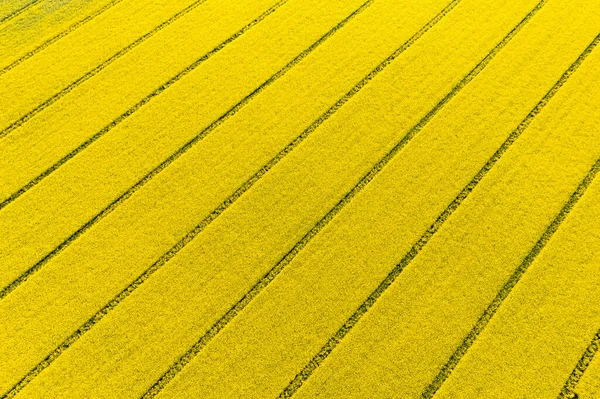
{"type": "Point", "coordinates": [298, 198]}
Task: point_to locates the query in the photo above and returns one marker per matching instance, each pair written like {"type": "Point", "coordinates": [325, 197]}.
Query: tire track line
{"type": "Point", "coordinates": [568, 390]}
{"type": "Point", "coordinates": [485, 318]}
{"type": "Point", "coordinates": [19, 11]}
{"type": "Point", "coordinates": [58, 37]}
{"type": "Point", "coordinates": [190, 235]}
{"type": "Point", "coordinates": [159, 90]}
{"type": "Point", "coordinates": [92, 72]}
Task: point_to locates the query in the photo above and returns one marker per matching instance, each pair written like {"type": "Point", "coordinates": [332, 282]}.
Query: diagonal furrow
{"type": "Point", "coordinates": [568, 390]}
{"type": "Point", "coordinates": [20, 11]}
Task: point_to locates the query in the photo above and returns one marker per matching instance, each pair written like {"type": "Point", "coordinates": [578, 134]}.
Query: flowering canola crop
{"type": "Point", "coordinates": [297, 198]}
